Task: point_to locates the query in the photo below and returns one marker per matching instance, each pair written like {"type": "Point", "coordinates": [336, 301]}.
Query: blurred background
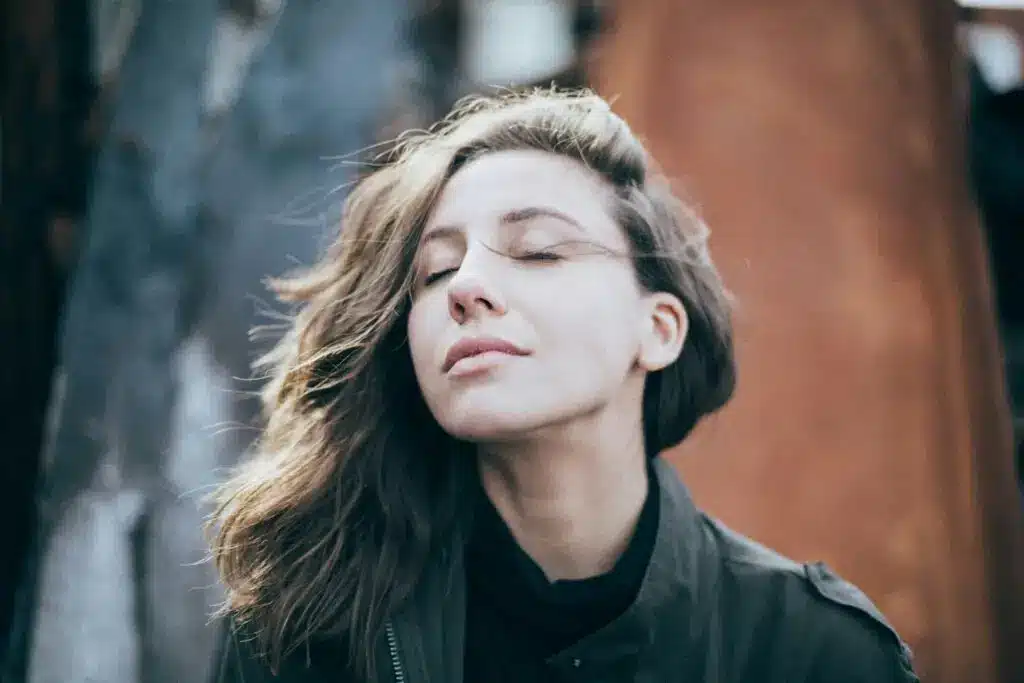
{"type": "Point", "coordinates": [861, 164]}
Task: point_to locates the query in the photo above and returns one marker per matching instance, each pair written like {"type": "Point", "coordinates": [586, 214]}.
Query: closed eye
{"type": "Point", "coordinates": [539, 256]}
{"type": "Point", "coordinates": [438, 275]}
{"type": "Point", "coordinates": [532, 256]}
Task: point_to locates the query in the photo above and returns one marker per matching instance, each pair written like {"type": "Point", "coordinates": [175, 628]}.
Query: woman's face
{"type": "Point", "coordinates": [527, 312]}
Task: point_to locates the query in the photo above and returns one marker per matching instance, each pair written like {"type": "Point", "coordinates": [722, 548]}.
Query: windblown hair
{"type": "Point", "coordinates": [354, 489]}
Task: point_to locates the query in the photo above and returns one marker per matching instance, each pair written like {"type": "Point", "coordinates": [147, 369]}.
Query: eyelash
{"type": "Point", "coordinates": [534, 256]}
{"type": "Point", "coordinates": [434, 277]}
{"type": "Point", "coordinates": [539, 256]}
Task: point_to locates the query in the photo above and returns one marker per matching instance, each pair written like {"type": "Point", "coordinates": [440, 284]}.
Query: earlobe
{"type": "Point", "coordinates": [666, 326]}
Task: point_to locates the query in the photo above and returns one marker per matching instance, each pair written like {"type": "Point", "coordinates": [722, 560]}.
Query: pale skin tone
{"type": "Point", "coordinates": [521, 247]}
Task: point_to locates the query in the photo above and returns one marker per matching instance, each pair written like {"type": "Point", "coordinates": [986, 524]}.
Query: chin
{"type": "Point", "coordinates": [484, 428]}
{"type": "Point", "coordinates": [477, 422]}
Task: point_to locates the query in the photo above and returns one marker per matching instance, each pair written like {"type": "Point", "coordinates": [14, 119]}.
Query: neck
{"type": "Point", "coordinates": [571, 503]}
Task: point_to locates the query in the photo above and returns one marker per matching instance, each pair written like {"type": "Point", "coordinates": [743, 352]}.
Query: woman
{"type": "Point", "coordinates": [459, 477]}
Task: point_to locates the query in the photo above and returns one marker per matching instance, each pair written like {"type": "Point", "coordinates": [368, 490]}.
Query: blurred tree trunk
{"type": "Point", "coordinates": [46, 92]}
{"type": "Point", "coordinates": [212, 177]}
{"type": "Point", "coordinates": [870, 429]}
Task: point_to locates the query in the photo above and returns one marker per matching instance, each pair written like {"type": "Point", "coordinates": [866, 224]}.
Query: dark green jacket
{"type": "Point", "coordinates": [714, 607]}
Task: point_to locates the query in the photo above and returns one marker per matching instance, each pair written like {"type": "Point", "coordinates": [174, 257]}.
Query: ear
{"type": "Point", "coordinates": [665, 327]}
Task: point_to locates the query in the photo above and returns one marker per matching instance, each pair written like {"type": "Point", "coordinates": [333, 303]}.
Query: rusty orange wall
{"type": "Point", "coordinates": [870, 429]}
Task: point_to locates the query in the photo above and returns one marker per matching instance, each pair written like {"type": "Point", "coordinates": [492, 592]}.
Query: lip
{"type": "Point", "coordinates": [475, 346]}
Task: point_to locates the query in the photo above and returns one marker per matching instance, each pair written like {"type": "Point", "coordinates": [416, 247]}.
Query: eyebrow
{"type": "Point", "coordinates": [513, 217]}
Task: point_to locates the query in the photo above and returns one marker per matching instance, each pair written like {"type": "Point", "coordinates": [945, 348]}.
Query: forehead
{"type": "Point", "coordinates": [500, 182]}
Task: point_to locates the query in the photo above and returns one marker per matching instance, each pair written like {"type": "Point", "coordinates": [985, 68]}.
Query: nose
{"type": "Point", "coordinates": [471, 297]}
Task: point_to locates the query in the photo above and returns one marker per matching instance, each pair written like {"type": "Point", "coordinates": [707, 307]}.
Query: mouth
{"type": "Point", "coordinates": [471, 347]}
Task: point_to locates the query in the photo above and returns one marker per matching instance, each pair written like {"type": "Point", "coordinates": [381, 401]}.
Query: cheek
{"type": "Point", "coordinates": [423, 331]}
{"type": "Point", "coordinates": [600, 324]}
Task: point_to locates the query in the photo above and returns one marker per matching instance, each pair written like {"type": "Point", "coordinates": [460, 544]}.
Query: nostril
{"type": "Point", "coordinates": [469, 296]}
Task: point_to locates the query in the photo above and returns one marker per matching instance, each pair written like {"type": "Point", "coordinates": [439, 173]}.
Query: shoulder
{"type": "Point", "coordinates": [240, 660]}
{"type": "Point", "coordinates": [857, 643]}
{"type": "Point", "coordinates": [825, 626]}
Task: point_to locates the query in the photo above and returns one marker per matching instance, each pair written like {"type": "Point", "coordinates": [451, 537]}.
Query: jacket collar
{"type": "Point", "coordinates": [674, 595]}
{"type": "Point", "coordinates": [429, 633]}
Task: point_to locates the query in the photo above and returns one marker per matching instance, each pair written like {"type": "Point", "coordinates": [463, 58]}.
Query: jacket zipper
{"type": "Point", "coordinates": [396, 660]}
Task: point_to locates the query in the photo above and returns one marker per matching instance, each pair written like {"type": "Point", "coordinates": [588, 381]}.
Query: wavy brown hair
{"type": "Point", "coordinates": [354, 488]}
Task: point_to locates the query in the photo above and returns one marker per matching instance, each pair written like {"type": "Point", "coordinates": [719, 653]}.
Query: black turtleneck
{"type": "Point", "coordinates": [516, 618]}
